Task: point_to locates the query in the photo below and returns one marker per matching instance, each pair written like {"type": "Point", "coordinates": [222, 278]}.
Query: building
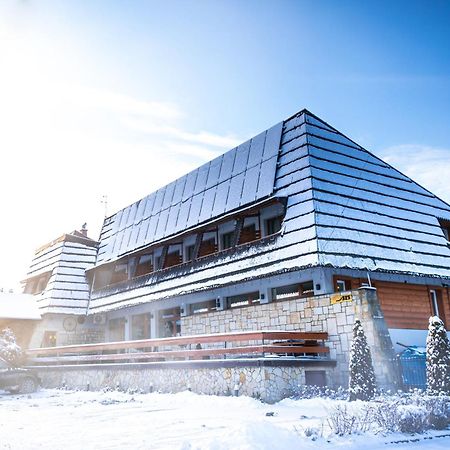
{"type": "Point", "coordinates": [299, 211]}
{"type": "Point", "coordinates": [57, 280]}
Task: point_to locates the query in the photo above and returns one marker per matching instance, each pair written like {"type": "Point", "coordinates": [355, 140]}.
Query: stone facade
{"type": "Point", "coordinates": [269, 381]}
{"type": "Point", "coordinates": [316, 314]}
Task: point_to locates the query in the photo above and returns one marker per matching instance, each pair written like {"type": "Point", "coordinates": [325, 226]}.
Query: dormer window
{"type": "Point", "coordinates": [37, 284]}
{"type": "Point", "coordinates": [445, 227]}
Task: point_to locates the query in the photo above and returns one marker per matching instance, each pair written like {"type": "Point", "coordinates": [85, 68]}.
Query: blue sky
{"type": "Point", "coordinates": [366, 66]}
{"type": "Point", "coordinates": [119, 98]}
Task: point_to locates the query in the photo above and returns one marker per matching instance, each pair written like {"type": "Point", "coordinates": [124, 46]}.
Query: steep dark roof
{"type": "Point", "coordinates": [345, 207]}
{"type": "Point", "coordinates": [237, 178]}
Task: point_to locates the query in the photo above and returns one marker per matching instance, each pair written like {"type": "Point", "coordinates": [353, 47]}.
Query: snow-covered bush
{"type": "Point", "coordinates": [343, 420]}
{"type": "Point", "coordinates": [396, 412]}
{"type": "Point", "coordinates": [386, 415]}
{"type": "Point", "coordinates": [412, 418]}
{"type": "Point", "coordinates": [438, 358]}
{"type": "Point", "coordinates": [362, 376]}
{"type": "Point", "coordinates": [9, 350]}
{"type": "Point", "coordinates": [310, 391]}
{"type": "Point", "coordinates": [412, 412]}
{"type": "Point", "coordinates": [438, 408]}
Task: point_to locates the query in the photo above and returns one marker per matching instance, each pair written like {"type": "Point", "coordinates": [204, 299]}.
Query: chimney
{"type": "Point", "coordinates": [84, 230]}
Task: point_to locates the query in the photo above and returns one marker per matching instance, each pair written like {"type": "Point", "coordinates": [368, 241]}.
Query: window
{"type": "Point", "coordinates": [305, 289]}
{"type": "Point", "coordinates": [49, 339]}
{"type": "Point", "coordinates": [342, 285]}
{"type": "Point", "coordinates": [116, 329]}
{"type": "Point", "coordinates": [445, 226]}
{"type": "Point", "coordinates": [437, 305]}
{"type": "Point", "coordinates": [190, 252]}
{"type": "Point", "coordinates": [237, 301]}
{"type": "Point", "coordinates": [169, 322]}
{"type": "Point", "coordinates": [273, 225]}
{"type": "Point", "coordinates": [41, 284]}
{"type": "Point", "coordinates": [227, 240]}
{"type": "Point", "coordinates": [173, 259]}
{"type": "Point", "coordinates": [145, 265]}
{"type": "Point", "coordinates": [207, 247]}
{"type": "Point", "coordinates": [140, 326]}
{"type": "Point", "coordinates": [29, 287]}
{"type": "Point", "coordinates": [37, 284]}
{"type": "Point", "coordinates": [120, 272]}
{"type": "Point", "coordinates": [203, 307]}
{"type": "Point", "coordinates": [283, 292]}
{"type": "Point", "coordinates": [249, 233]}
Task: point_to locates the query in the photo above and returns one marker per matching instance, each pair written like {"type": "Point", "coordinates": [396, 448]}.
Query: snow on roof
{"type": "Point", "coordinates": [239, 177]}
{"type": "Point", "coordinates": [74, 236]}
{"type": "Point", "coordinates": [18, 306]}
{"type": "Point", "coordinates": [63, 263]}
{"type": "Point", "coordinates": [346, 208]}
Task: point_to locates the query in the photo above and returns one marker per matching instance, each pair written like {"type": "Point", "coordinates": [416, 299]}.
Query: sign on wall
{"type": "Point", "coordinates": [341, 298]}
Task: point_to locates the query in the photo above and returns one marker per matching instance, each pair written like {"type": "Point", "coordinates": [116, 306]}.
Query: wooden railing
{"type": "Point", "coordinates": [207, 346]}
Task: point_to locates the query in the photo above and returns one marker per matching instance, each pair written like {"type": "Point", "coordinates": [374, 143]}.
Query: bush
{"type": "Point", "coordinates": [438, 410]}
{"type": "Point", "coordinates": [412, 418]}
{"type": "Point", "coordinates": [343, 421]}
{"type": "Point", "coordinates": [386, 415]}
{"type": "Point", "coordinates": [412, 412]}
{"type": "Point", "coordinates": [9, 350]}
{"type": "Point", "coordinates": [310, 391]}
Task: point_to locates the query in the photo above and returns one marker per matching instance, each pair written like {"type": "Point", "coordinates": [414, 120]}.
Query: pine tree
{"type": "Point", "coordinates": [362, 376]}
{"type": "Point", "coordinates": [9, 349]}
{"type": "Point", "coordinates": [438, 358]}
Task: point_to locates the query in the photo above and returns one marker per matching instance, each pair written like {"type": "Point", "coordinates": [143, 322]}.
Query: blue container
{"type": "Point", "coordinates": [413, 364]}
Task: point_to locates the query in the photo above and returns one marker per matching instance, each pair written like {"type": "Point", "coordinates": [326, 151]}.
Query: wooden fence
{"type": "Point", "coordinates": [210, 346]}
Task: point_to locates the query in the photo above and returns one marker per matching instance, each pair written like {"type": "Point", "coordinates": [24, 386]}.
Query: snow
{"type": "Point", "coordinates": [18, 306]}
{"type": "Point", "coordinates": [55, 419]}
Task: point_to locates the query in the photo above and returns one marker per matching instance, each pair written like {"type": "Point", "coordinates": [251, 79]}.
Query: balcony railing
{"type": "Point", "coordinates": [179, 269]}
{"type": "Point", "coordinates": [211, 346]}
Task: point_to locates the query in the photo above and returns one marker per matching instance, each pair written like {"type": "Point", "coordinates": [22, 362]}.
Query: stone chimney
{"type": "Point", "coordinates": [84, 230]}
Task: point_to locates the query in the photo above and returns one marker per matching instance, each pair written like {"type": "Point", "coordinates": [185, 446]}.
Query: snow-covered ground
{"type": "Point", "coordinates": [56, 419]}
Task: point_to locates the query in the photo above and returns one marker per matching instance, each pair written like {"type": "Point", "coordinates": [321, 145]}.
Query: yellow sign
{"type": "Point", "coordinates": [341, 298]}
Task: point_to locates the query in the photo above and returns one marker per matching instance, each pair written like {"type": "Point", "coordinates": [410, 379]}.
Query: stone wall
{"type": "Point", "coordinates": [313, 314]}
{"type": "Point", "coordinates": [269, 381]}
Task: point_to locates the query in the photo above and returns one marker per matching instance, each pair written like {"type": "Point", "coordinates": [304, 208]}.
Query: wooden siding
{"type": "Point", "coordinates": [404, 305]}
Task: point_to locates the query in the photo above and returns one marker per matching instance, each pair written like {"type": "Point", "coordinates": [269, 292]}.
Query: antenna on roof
{"type": "Point", "coordinates": [104, 201]}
